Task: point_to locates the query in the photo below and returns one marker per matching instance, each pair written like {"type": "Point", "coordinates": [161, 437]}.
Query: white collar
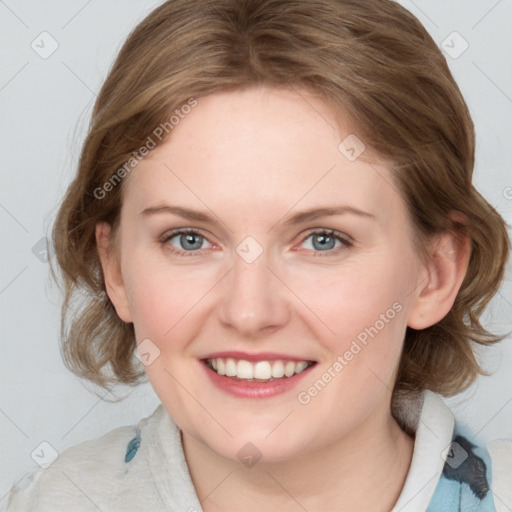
{"type": "Point", "coordinates": [424, 414]}
{"type": "Point", "coordinates": [433, 435]}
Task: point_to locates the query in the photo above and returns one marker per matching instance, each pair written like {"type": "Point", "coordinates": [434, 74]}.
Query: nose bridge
{"type": "Point", "coordinates": [252, 299]}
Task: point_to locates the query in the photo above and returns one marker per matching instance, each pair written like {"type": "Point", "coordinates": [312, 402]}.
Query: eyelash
{"type": "Point", "coordinates": [344, 239]}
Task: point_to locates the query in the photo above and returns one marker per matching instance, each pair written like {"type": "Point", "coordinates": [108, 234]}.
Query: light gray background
{"type": "Point", "coordinates": [45, 106]}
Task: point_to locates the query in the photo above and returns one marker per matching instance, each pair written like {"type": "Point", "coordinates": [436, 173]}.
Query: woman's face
{"type": "Point", "coordinates": [301, 252]}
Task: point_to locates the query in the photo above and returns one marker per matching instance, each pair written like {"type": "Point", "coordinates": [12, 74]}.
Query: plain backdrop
{"type": "Point", "coordinates": [54, 57]}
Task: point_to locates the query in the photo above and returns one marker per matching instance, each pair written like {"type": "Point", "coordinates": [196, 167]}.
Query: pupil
{"type": "Point", "coordinates": [324, 241]}
{"type": "Point", "coordinates": [190, 239]}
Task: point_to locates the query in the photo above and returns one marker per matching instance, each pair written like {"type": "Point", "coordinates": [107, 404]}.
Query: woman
{"type": "Point", "coordinates": [274, 212]}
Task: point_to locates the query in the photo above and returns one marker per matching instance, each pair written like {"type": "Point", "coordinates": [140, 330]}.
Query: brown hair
{"type": "Point", "coordinates": [371, 58]}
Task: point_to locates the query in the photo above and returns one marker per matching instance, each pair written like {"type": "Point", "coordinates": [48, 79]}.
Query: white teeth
{"type": "Point", "coordinates": [221, 367]}
{"type": "Point", "coordinates": [277, 369]}
{"type": "Point", "coordinates": [230, 367]}
{"type": "Point", "coordinates": [261, 370]}
{"type": "Point", "coordinates": [244, 370]}
{"type": "Point", "coordinates": [301, 366]}
{"type": "Point", "coordinates": [289, 368]}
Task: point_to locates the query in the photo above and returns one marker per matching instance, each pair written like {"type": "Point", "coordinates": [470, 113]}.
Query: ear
{"type": "Point", "coordinates": [445, 272]}
{"type": "Point", "coordinates": [111, 267]}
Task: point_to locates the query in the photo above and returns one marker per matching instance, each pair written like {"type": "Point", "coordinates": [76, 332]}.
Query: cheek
{"type": "Point", "coordinates": [363, 313]}
{"type": "Point", "coordinates": [162, 299]}
{"type": "Point", "coordinates": [354, 297]}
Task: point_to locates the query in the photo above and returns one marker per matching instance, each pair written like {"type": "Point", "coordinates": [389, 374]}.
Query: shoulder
{"type": "Point", "coordinates": [478, 474]}
{"type": "Point", "coordinates": [500, 452]}
{"type": "Point", "coordinates": [85, 475]}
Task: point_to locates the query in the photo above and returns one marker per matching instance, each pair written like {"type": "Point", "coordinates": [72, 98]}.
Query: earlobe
{"type": "Point", "coordinates": [445, 272]}
{"type": "Point", "coordinates": [114, 284]}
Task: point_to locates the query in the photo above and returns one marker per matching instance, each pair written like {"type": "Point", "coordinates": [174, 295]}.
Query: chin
{"type": "Point", "coordinates": [255, 445]}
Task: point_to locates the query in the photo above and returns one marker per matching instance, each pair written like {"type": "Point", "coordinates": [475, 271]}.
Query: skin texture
{"type": "Point", "coordinates": [251, 159]}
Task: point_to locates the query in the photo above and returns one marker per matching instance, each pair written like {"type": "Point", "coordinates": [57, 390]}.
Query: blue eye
{"type": "Point", "coordinates": [325, 241]}
{"type": "Point", "coordinates": [188, 241]}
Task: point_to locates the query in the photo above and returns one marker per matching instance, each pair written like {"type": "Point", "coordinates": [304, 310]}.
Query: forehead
{"type": "Point", "coordinates": [264, 149]}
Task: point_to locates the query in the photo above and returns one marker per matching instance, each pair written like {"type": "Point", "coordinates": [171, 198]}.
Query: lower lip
{"type": "Point", "coordinates": [247, 389]}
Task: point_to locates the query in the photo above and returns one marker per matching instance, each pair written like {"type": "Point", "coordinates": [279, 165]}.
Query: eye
{"type": "Point", "coordinates": [324, 241]}
{"type": "Point", "coordinates": [185, 242]}
{"type": "Point", "coordinates": [188, 242]}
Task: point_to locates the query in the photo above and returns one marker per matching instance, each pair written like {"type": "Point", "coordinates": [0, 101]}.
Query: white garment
{"type": "Point", "coordinates": [93, 475]}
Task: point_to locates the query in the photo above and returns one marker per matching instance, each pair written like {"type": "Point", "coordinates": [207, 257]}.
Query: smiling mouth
{"type": "Point", "coordinates": [259, 371]}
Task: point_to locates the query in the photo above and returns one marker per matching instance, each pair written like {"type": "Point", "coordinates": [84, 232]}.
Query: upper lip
{"type": "Point", "coordinates": [259, 356]}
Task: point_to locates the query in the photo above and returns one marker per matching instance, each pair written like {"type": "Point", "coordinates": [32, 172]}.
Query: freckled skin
{"type": "Point", "coordinates": [250, 160]}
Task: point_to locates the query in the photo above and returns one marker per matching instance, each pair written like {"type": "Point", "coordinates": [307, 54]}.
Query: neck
{"type": "Point", "coordinates": [363, 471]}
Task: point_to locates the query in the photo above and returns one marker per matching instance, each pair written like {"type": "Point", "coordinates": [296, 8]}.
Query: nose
{"type": "Point", "coordinates": [254, 301]}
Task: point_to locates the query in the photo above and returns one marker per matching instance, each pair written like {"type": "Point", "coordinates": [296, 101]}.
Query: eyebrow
{"type": "Point", "coordinates": [177, 210]}
{"type": "Point", "coordinates": [315, 213]}
{"type": "Point", "coordinates": [297, 218]}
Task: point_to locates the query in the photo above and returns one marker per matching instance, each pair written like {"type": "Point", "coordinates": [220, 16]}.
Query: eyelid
{"type": "Point", "coordinates": [345, 240]}
{"type": "Point", "coordinates": [180, 231]}
{"type": "Point", "coordinates": [333, 232]}
{"type": "Point", "coordinates": [168, 235]}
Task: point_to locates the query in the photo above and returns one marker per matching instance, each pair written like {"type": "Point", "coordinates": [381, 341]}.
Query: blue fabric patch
{"type": "Point", "coordinates": [132, 447]}
{"type": "Point", "coordinates": [465, 483]}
